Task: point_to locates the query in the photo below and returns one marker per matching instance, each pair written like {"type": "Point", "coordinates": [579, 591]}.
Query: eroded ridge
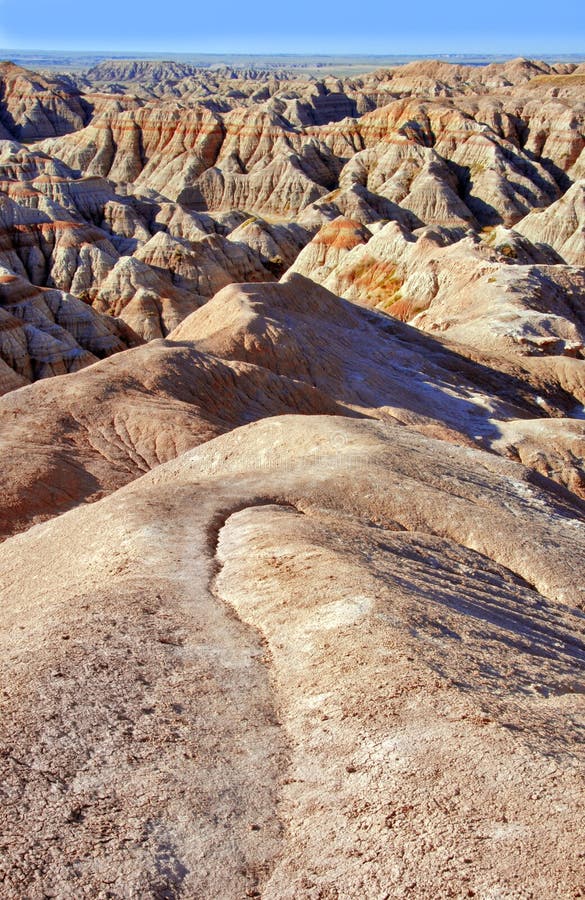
{"type": "Point", "coordinates": [378, 689]}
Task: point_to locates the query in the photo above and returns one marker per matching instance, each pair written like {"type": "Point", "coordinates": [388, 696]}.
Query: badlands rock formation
{"type": "Point", "coordinates": [293, 483]}
{"type": "Point", "coordinates": [161, 153]}
{"type": "Point", "coordinates": [46, 332]}
{"type": "Point", "coordinates": [561, 225]}
{"type": "Point", "coordinates": [33, 107]}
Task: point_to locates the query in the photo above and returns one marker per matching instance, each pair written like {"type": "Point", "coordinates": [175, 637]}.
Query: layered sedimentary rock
{"type": "Point", "coordinates": [46, 332]}
{"type": "Point", "coordinates": [33, 107]}
{"type": "Point", "coordinates": [329, 246]}
{"type": "Point", "coordinates": [146, 299]}
{"type": "Point", "coordinates": [561, 225]}
{"type": "Point", "coordinates": [50, 247]}
{"type": "Point", "coordinates": [206, 266]}
{"type": "Point", "coordinates": [125, 416]}
{"type": "Point", "coordinates": [499, 291]}
{"type": "Point", "coordinates": [110, 248]}
{"type": "Point", "coordinates": [453, 147]}
{"type": "Point", "coordinates": [277, 245]}
{"type": "Point", "coordinates": [472, 158]}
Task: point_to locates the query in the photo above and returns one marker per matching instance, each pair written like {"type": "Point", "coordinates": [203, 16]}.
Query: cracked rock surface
{"type": "Point", "coordinates": [312, 657]}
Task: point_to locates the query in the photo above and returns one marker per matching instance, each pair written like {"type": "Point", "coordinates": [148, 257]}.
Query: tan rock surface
{"type": "Point", "coordinates": [251, 352]}
{"type": "Point", "coordinates": [452, 147]}
{"type": "Point", "coordinates": [358, 691]}
{"type": "Point", "coordinates": [501, 293]}
{"type": "Point", "coordinates": [380, 368]}
{"type": "Point", "coordinates": [70, 440]}
{"type": "Point", "coordinates": [206, 266]}
{"type": "Point", "coordinates": [145, 298]}
{"type": "Point", "coordinates": [32, 107]}
{"type": "Point", "coordinates": [47, 332]}
{"type": "Point", "coordinates": [561, 225]}
{"type": "Point", "coordinates": [329, 246]}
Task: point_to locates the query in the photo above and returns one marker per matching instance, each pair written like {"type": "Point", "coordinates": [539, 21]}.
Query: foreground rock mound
{"type": "Point", "coordinates": [262, 350]}
{"type": "Point", "coordinates": [353, 650]}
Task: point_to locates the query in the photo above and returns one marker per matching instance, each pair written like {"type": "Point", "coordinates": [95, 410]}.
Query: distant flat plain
{"type": "Point", "coordinates": [342, 65]}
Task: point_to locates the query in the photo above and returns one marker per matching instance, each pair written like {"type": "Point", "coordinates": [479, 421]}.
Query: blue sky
{"type": "Point", "coordinates": [306, 26]}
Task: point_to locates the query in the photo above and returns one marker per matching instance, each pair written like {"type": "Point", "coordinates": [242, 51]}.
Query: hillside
{"type": "Point", "coordinates": [292, 508]}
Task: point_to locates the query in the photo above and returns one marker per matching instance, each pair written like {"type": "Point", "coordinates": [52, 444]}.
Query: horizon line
{"type": "Point", "coordinates": [288, 53]}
